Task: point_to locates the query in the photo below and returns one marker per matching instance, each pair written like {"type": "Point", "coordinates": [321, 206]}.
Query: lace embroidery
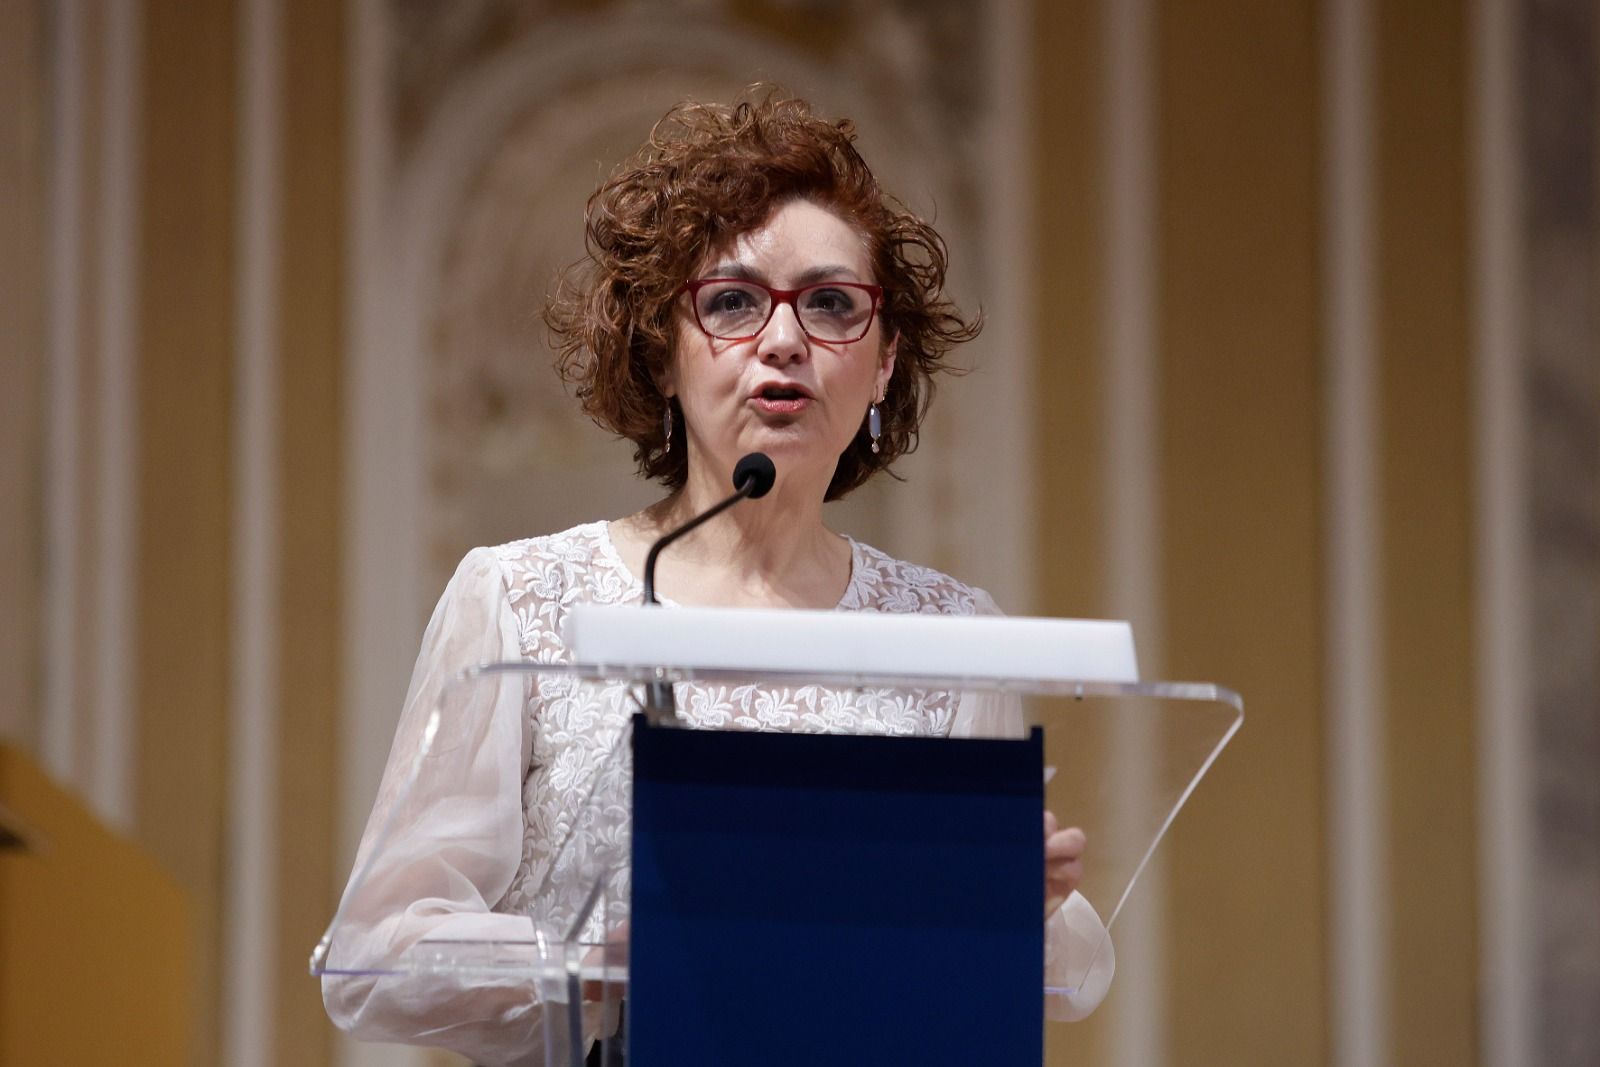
{"type": "Point", "coordinates": [574, 726]}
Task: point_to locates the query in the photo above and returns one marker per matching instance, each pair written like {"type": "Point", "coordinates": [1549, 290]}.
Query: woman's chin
{"type": "Point", "coordinates": [798, 444]}
{"type": "Point", "coordinates": [794, 450]}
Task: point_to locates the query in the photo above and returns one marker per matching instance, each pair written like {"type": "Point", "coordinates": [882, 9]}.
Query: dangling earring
{"type": "Point", "coordinates": [874, 426]}
{"type": "Point", "coordinates": [666, 426]}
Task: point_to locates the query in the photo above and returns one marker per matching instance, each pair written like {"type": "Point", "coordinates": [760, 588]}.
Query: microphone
{"type": "Point", "coordinates": [758, 470]}
{"type": "Point", "coordinates": [753, 477]}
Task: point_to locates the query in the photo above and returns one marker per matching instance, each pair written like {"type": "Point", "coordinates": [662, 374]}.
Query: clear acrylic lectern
{"type": "Point", "coordinates": [1116, 757]}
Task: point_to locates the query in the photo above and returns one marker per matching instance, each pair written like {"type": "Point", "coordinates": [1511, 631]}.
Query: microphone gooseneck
{"type": "Point", "coordinates": [753, 478]}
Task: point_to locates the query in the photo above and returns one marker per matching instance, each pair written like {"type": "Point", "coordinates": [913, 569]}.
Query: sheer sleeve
{"type": "Point", "coordinates": [444, 841]}
{"type": "Point", "coordinates": [1075, 937]}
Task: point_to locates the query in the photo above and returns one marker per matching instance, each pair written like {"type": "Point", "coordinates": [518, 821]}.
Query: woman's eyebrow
{"type": "Point", "coordinates": [736, 270]}
{"type": "Point", "coordinates": [821, 272]}
{"type": "Point", "coordinates": [826, 272]}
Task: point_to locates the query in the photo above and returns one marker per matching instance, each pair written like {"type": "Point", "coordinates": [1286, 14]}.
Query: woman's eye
{"type": "Point", "coordinates": [731, 300]}
{"type": "Point", "coordinates": [834, 301]}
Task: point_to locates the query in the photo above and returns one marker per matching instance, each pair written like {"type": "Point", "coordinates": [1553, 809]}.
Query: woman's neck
{"type": "Point", "coordinates": [774, 552]}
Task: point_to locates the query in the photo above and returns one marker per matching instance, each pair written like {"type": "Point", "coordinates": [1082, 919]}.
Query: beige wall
{"type": "Point", "coordinates": [185, 382]}
{"type": "Point", "coordinates": [310, 311]}
{"type": "Point", "coordinates": [23, 146]}
{"type": "Point", "coordinates": [1239, 459]}
{"type": "Point", "coordinates": [1184, 412]}
{"type": "Point", "coordinates": [1425, 351]}
{"type": "Point", "coordinates": [1238, 277]}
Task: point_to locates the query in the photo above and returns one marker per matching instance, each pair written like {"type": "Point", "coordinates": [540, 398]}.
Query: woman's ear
{"type": "Point", "coordinates": [886, 365]}
{"type": "Point", "coordinates": [666, 383]}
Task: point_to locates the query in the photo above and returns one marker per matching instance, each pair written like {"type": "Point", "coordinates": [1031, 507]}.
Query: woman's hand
{"type": "Point", "coordinates": [1063, 863]}
{"type": "Point", "coordinates": [614, 953]}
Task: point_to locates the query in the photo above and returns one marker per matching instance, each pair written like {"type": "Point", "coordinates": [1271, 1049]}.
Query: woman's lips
{"type": "Point", "coordinates": [780, 398]}
{"type": "Point", "coordinates": [784, 405]}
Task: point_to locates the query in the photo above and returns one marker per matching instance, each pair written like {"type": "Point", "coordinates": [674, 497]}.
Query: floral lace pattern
{"type": "Point", "coordinates": [574, 726]}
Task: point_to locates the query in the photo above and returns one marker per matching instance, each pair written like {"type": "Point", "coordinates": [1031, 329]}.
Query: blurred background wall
{"type": "Point", "coordinates": [1291, 359]}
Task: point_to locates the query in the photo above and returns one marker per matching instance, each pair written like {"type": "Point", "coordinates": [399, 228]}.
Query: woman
{"type": "Point", "coordinates": [749, 288]}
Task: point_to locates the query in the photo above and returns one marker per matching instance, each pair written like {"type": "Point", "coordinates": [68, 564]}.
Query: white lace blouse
{"type": "Point", "coordinates": [468, 855]}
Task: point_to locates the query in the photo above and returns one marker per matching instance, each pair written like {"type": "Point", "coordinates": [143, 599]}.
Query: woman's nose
{"type": "Point", "coordinates": [783, 341]}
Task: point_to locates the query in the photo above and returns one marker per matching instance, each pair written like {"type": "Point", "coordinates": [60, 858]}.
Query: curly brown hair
{"type": "Point", "coordinates": [708, 174]}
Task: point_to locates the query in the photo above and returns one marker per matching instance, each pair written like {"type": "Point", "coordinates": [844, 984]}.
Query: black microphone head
{"type": "Point", "coordinates": [758, 471]}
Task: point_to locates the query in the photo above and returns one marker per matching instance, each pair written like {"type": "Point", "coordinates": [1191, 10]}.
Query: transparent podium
{"type": "Point", "coordinates": [723, 890]}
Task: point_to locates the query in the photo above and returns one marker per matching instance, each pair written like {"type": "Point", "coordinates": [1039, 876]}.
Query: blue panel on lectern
{"type": "Point", "coordinates": [816, 899]}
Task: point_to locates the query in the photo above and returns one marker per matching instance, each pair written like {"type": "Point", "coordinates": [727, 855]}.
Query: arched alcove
{"type": "Point", "coordinates": [489, 209]}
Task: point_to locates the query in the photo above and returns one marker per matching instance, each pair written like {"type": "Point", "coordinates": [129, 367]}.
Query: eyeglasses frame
{"type": "Point", "coordinates": [782, 296]}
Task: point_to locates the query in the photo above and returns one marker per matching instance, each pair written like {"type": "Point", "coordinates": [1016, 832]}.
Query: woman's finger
{"type": "Point", "coordinates": [1062, 878]}
{"type": "Point", "coordinates": [1063, 862]}
{"type": "Point", "coordinates": [1068, 844]}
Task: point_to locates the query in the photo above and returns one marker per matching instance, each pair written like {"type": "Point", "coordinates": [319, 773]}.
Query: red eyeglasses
{"type": "Point", "coordinates": [734, 309]}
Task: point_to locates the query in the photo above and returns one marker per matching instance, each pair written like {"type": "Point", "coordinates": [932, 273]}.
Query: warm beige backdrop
{"type": "Point", "coordinates": [1263, 373]}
